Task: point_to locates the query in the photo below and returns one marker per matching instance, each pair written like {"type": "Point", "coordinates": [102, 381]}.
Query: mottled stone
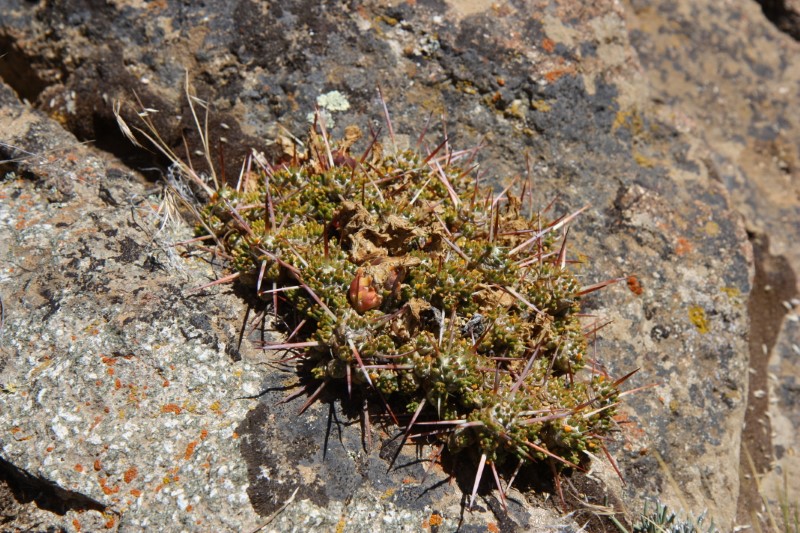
{"type": "Point", "coordinates": [729, 77]}
{"type": "Point", "coordinates": [553, 86]}
{"type": "Point", "coordinates": [117, 396]}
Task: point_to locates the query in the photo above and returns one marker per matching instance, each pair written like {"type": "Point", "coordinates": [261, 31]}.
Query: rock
{"type": "Point", "coordinates": [558, 87]}
{"type": "Point", "coordinates": [730, 78]}
{"type": "Point", "coordinates": [119, 402]}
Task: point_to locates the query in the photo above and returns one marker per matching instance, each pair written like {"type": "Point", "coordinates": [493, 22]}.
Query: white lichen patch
{"type": "Point", "coordinates": [329, 103]}
{"type": "Point", "coordinates": [333, 101]}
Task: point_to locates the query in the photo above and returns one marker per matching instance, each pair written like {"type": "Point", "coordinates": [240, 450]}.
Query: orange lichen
{"type": "Point", "coordinates": [548, 45]}
{"type": "Point", "coordinates": [171, 408]}
{"type": "Point", "coordinates": [130, 474]}
{"type": "Point", "coordinates": [492, 528]}
{"type": "Point", "coordinates": [136, 493]}
{"type": "Point", "coordinates": [76, 525]}
{"type": "Point", "coordinates": [683, 246]}
{"type": "Point", "coordinates": [78, 467]}
{"type": "Point", "coordinates": [556, 73]}
{"type": "Point", "coordinates": [190, 449]}
{"type": "Point", "coordinates": [435, 520]}
{"type": "Point", "coordinates": [157, 5]}
{"type": "Point", "coordinates": [107, 489]}
{"type": "Point", "coordinates": [97, 465]}
{"type": "Point", "coordinates": [203, 434]}
{"type": "Point", "coordinates": [634, 285]}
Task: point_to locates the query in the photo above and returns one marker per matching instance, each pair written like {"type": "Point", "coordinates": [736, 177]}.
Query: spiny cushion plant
{"type": "Point", "coordinates": [401, 276]}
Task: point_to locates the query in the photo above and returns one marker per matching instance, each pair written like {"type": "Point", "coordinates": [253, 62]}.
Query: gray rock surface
{"type": "Point", "coordinates": [733, 80]}
{"type": "Point", "coordinates": [602, 103]}
{"type": "Point", "coordinates": [118, 397]}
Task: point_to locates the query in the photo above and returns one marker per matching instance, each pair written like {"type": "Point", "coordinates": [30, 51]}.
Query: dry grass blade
{"type": "Point", "coordinates": [202, 131]}
{"type": "Point", "coordinates": [274, 515]}
{"type": "Point", "coordinates": [150, 133]}
{"type": "Point", "coordinates": [449, 186]}
{"type": "Point", "coordinates": [289, 345]}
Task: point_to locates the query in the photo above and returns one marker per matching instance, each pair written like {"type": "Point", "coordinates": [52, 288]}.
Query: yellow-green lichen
{"type": "Point", "coordinates": [697, 316]}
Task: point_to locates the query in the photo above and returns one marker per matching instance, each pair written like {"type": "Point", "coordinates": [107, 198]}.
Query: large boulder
{"type": "Point", "coordinates": [129, 401]}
